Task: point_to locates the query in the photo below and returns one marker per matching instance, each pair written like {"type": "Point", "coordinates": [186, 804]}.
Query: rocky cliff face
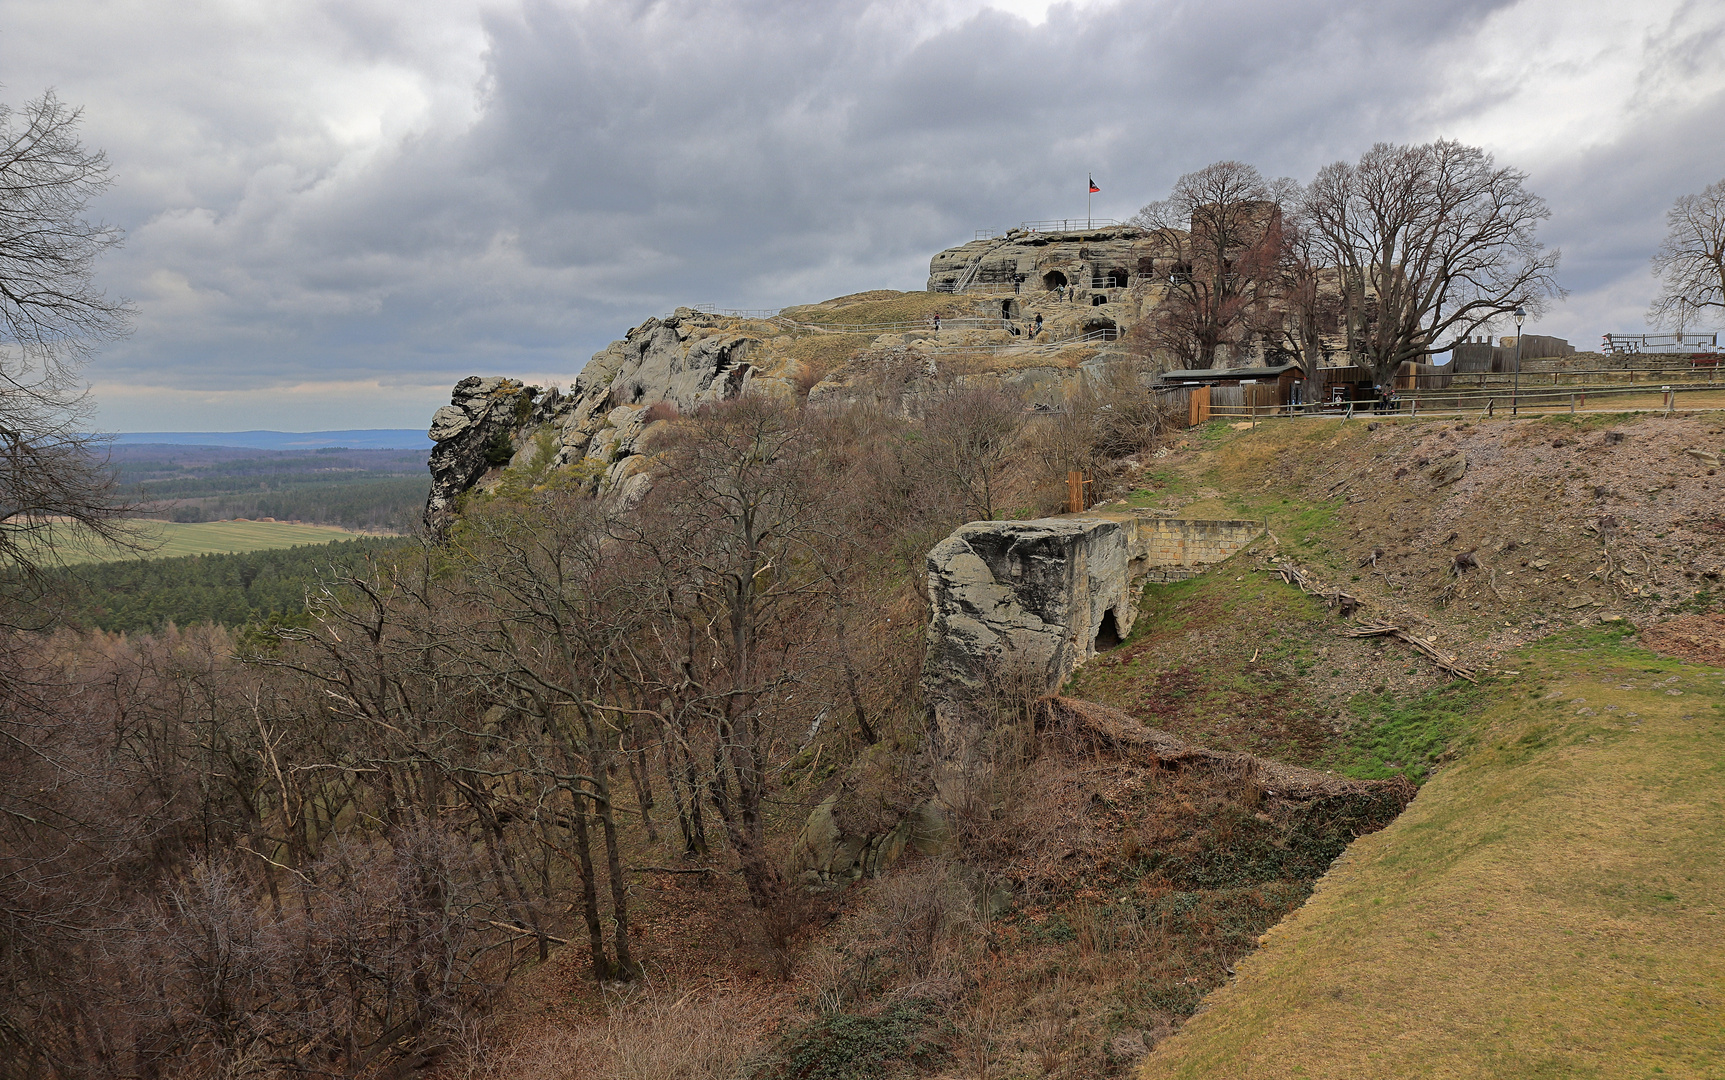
{"type": "Point", "coordinates": [684, 360]}
{"type": "Point", "coordinates": [474, 433]}
{"type": "Point", "coordinates": [881, 346]}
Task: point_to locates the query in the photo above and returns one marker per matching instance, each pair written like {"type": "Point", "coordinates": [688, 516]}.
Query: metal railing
{"type": "Point", "coordinates": [1069, 224]}
{"type": "Point", "coordinates": [734, 313]}
{"type": "Point", "coordinates": [1499, 402]}
{"type": "Point", "coordinates": [1051, 225]}
{"type": "Point", "coordinates": [1638, 343]}
{"type": "Point", "coordinates": [977, 322]}
{"type": "Point", "coordinates": [1047, 345]}
{"type": "Point", "coordinates": [983, 288]}
{"type": "Point", "coordinates": [1575, 378]}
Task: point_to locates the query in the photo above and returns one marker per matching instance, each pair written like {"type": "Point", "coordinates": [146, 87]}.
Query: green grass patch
{"type": "Point", "coordinates": [849, 1046]}
{"type": "Point", "coordinates": [1396, 736]}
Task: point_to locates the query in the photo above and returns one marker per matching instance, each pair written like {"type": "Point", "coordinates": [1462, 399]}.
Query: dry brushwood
{"type": "Point", "coordinates": [1459, 565]}
{"type": "Point", "coordinates": [1346, 603]}
{"type": "Point", "coordinates": [1616, 572]}
{"type": "Point", "coordinates": [1448, 663]}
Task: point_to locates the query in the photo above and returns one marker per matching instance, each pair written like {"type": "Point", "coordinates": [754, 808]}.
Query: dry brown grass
{"type": "Point", "coordinates": [885, 306]}
{"type": "Point", "coordinates": [1700, 638]}
{"type": "Point", "coordinates": [651, 1036]}
{"type": "Point", "coordinates": [1549, 906]}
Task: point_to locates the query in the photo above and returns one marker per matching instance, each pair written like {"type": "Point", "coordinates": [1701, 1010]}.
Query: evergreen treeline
{"type": "Point", "coordinates": [138, 595]}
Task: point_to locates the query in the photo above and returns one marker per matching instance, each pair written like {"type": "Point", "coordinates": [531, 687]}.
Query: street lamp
{"type": "Point", "coordinates": [1515, 395]}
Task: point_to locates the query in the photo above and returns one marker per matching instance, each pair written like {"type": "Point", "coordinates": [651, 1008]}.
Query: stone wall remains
{"type": "Point", "coordinates": [1035, 599]}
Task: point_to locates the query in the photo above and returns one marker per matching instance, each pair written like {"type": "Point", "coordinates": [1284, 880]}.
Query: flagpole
{"type": "Point", "coordinates": [1088, 184]}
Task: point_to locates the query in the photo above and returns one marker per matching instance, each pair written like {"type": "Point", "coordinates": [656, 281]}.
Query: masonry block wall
{"type": "Point", "coordinates": [1191, 543]}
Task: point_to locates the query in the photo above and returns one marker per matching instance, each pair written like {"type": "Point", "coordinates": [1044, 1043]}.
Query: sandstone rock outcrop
{"type": "Point", "coordinates": [684, 360]}
{"type": "Point", "coordinates": [825, 855]}
{"type": "Point", "coordinates": [974, 326]}
{"type": "Point", "coordinates": [473, 433]}
{"type": "Point", "coordinates": [1102, 261]}
{"type": "Point", "coordinates": [1028, 601]}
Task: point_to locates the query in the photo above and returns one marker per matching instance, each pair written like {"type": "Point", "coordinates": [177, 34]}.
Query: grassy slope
{"type": "Point", "coordinates": [165, 539]}
{"type": "Point", "coordinates": [1551, 905]}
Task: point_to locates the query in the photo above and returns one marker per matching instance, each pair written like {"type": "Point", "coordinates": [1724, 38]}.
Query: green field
{"type": "Point", "coordinates": [167, 539]}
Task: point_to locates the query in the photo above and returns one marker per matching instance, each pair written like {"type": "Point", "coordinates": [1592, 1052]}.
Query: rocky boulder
{"type": "Point", "coordinates": [1025, 600]}
{"type": "Point", "coordinates": [1023, 603]}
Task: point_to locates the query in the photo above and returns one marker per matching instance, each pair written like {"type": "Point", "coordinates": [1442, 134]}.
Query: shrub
{"type": "Point", "coordinates": [846, 1046]}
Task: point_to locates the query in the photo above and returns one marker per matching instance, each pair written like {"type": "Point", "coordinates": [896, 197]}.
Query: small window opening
{"type": "Point", "coordinates": [1098, 300]}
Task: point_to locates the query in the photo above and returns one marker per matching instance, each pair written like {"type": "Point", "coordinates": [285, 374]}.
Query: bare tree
{"type": "Point", "coordinates": [1307, 309]}
{"type": "Point", "coordinates": [50, 316]}
{"type": "Point", "coordinates": [1432, 242]}
{"type": "Point", "coordinates": [968, 435]}
{"type": "Point", "coordinates": [1222, 225]}
{"type": "Point", "coordinates": [548, 625]}
{"type": "Point", "coordinates": [730, 529]}
{"type": "Point", "coordinates": [1690, 263]}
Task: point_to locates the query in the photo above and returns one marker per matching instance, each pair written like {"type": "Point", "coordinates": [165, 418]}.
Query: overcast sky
{"type": "Point", "coordinates": [336, 209]}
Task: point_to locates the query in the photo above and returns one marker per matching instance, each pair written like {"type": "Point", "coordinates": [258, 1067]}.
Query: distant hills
{"type": "Point", "coordinates": [362, 439]}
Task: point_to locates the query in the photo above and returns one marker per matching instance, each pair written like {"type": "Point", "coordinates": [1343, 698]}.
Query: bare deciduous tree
{"type": "Point", "coordinates": [1690, 263]}
{"type": "Point", "coordinates": [730, 528]}
{"type": "Point", "coordinates": [968, 435]}
{"type": "Point", "coordinates": [1307, 305]}
{"type": "Point", "coordinates": [51, 314]}
{"type": "Point", "coordinates": [1432, 242]}
{"type": "Point", "coordinates": [1222, 225]}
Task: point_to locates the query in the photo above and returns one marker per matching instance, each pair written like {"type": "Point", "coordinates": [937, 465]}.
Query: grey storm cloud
{"type": "Point", "coordinates": [335, 210]}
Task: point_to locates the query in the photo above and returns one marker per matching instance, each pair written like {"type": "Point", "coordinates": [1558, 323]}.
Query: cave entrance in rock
{"type": "Point", "coordinates": [1009, 309]}
{"type": "Point", "coordinates": [1054, 279]}
{"type": "Point", "coordinates": [1098, 300]}
{"type": "Point", "coordinates": [1108, 634]}
{"type": "Point", "coordinates": [1106, 329]}
{"type": "Point", "coordinates": [1116, 278]}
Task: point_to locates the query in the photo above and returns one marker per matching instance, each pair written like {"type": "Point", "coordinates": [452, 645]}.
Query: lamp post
{"type": "Point", "coordinates": [1515, 395]}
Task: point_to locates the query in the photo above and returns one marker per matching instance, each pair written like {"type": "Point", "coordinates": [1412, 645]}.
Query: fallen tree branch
{"type": "Point", "coordinates": [524, 931]}
{"type": "Point", "coordinates": [1446, 662]}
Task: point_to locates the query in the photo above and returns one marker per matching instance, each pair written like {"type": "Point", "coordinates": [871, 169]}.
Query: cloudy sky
{"type": "Point", "coordinates": [336, 208]}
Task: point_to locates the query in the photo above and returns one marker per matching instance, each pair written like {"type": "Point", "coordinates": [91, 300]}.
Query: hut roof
{"type": "Point", "coordinates": [1213, 374]}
